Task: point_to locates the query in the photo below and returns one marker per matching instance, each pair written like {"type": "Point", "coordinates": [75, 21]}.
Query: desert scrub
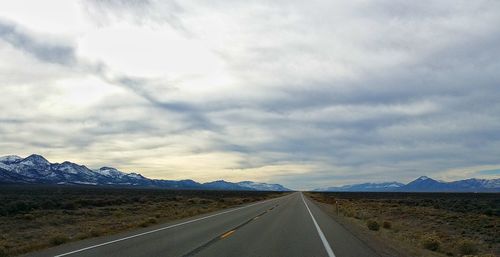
{"type": "Point", "coordinates": [149, 221]}
{"type": "Point", "coordinates": [431, 243]}
{"type": "Point", "coordinates": [373, 225]}
{"type": "Point", "coordinates": [452, 217]}
{"type": "Point", "coordinates": [387, 225]}
{"type": "Point", "coordinates": [29, 213]}
{"type": "Point", "coordinates": [349, 213]}
{"type": "Point", "coordinates": [28, 216]}
{"type": "Point", "coordinates": [467, 247]}
{"type": "Point", "coordinates": [58, 239]}
{"type": "Point", "coordinates": [95, 232]}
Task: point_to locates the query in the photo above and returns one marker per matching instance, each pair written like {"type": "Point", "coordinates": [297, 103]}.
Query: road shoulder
{"type": "Point", "coordinates": [379, 245]}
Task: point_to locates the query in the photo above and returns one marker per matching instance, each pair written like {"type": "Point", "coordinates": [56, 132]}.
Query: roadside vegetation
{"type": "Point", "coordinates": [36, 217]}
{"type": "Point", "coordinates": [432, 224]}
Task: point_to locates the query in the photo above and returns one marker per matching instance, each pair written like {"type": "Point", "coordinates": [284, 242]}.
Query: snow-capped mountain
{"type": "Point", "coordinates": [35, 169]}
{"type": "Point", "coordinates": [10, 177]}
{"type": "Point", "coordinates": [10, 159]}
{"type": "Point", "coordinates": [365, 187]}
{"type": "Point", "coordinates": [32, 166]}
{"type": "Point", "coordinates": [426, 184]}
{"type": "Point", "coordinates": [245, 186]}
{"type": "Point", "coordinates": [178, 184]}
{"type": "Point", "coordinates": [477, 183]}
{"type": "Point", "coordinates": [263, 186]}
{"type": "Point", "coordinates": [423, 184]}
{"type": "Point", "coordinates": [110, 172]}
{"type": "Point", "coordinates": [224, 185]}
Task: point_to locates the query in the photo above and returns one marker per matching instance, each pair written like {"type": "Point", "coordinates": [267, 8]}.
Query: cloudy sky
{"type": "Point", "coordinates": [303, 93]}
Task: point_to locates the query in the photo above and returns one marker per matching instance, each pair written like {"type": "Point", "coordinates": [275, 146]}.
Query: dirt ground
{"type": "Point", "coordinates": [405, 224]}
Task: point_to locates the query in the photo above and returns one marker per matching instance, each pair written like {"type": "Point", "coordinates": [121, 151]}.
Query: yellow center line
{"type": "Point", "coordinates": [227, 234]}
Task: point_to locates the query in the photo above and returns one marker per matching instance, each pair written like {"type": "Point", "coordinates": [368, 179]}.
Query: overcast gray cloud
{"type": "Point", "coordinates": [307, 94]}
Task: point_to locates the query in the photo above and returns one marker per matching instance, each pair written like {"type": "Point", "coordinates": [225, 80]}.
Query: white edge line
{"type": "Point", "coordinates": [160, 229]}
{"type": "Point", "coordinates": [321, 235]}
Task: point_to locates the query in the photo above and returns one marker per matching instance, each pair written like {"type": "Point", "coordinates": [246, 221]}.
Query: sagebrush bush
{"type": "Point", "coordinates": [28, 216]}
{"type": "Point", "coordinates": [3, 252]}
{"type": "Point", "coordinates": [349, 213]}
{"type": "Point", "coordinates": [59, 239]}
{"type": "Point", "coordinates": [95, 232]}
{"type": "Point", "coordinates": [467, 247]}
{"type": "Point", "coordinates": [149, 221]}
{"type": "Point", "coordinates": [431, 243]}
{"type": "Point", "coordinates": [373, 225]}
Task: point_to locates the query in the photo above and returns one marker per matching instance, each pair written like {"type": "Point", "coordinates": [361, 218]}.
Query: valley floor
{"type": "Point", "coordinates": [420, 224]}
{"type": "Point", "coordinates": [37, 217]}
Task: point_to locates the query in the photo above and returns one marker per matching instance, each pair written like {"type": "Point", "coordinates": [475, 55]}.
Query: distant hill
{"type": "Point", "coordinates": [373, 187]}
{"type": "Point", "coordinates": [262, 186]}
{"type": "Point", "coordinates": [422, 184]}
{"type": "Point", "coordinates": [35, 169]}
{"type": "Point", "coordinates": [426, 184]}
{"type": "Point", "coordinates": [224, 185]}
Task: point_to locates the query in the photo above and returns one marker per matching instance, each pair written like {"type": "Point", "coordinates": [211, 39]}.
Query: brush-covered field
{"type": "Point", "coordinates": [425, 224]}
{"type": "Point", "coordinates": [36, 217]}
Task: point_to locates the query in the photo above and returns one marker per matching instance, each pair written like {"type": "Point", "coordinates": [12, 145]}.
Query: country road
{"type": "Point", "coordinates": [291, 225]}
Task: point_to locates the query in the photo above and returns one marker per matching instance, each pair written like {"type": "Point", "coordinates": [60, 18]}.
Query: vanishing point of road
{"type": "Point", "coordinates": [291, 225]}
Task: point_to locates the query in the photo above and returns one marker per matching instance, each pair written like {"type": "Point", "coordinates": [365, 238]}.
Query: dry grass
{"type": "Point", "coordinates": [444, 224]}
{"type": "Point", "coordinates": [32, 218]}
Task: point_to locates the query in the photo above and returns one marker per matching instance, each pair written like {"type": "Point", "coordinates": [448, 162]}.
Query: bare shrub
{"type": "Point", "coordinates": [3, 252]}
{"type": "Point", "coordinates": [431, 243]}
{"type": "Point", "coordinates": [94, 232]}
{"type": "Point", "coordinates": [148, 222]}
{"type": "Point", "coordinates": [467, 247]}
{"type": "Point", "coordinates": [373, 225]}
{"type": "Point", "coordinates": [59, 239]}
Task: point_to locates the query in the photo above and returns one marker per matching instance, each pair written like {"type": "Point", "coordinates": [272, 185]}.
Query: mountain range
{"type": "Point", "coordinates": [35, 169]}
{"type": "Point", "coordinates": [422, 184]}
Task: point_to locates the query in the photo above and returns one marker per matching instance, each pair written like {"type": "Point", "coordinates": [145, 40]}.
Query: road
{"type": "Point", "coordinates": [291, 225]}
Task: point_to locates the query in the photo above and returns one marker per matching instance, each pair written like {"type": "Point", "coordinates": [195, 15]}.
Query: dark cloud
{"type": "Point", "coordinates": [43, 51]}
{"type": "Point", "coordinates": [58, 53]}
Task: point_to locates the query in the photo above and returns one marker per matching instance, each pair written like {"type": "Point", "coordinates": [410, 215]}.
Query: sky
{"type": "Point", "coordinates": [303, 93]}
